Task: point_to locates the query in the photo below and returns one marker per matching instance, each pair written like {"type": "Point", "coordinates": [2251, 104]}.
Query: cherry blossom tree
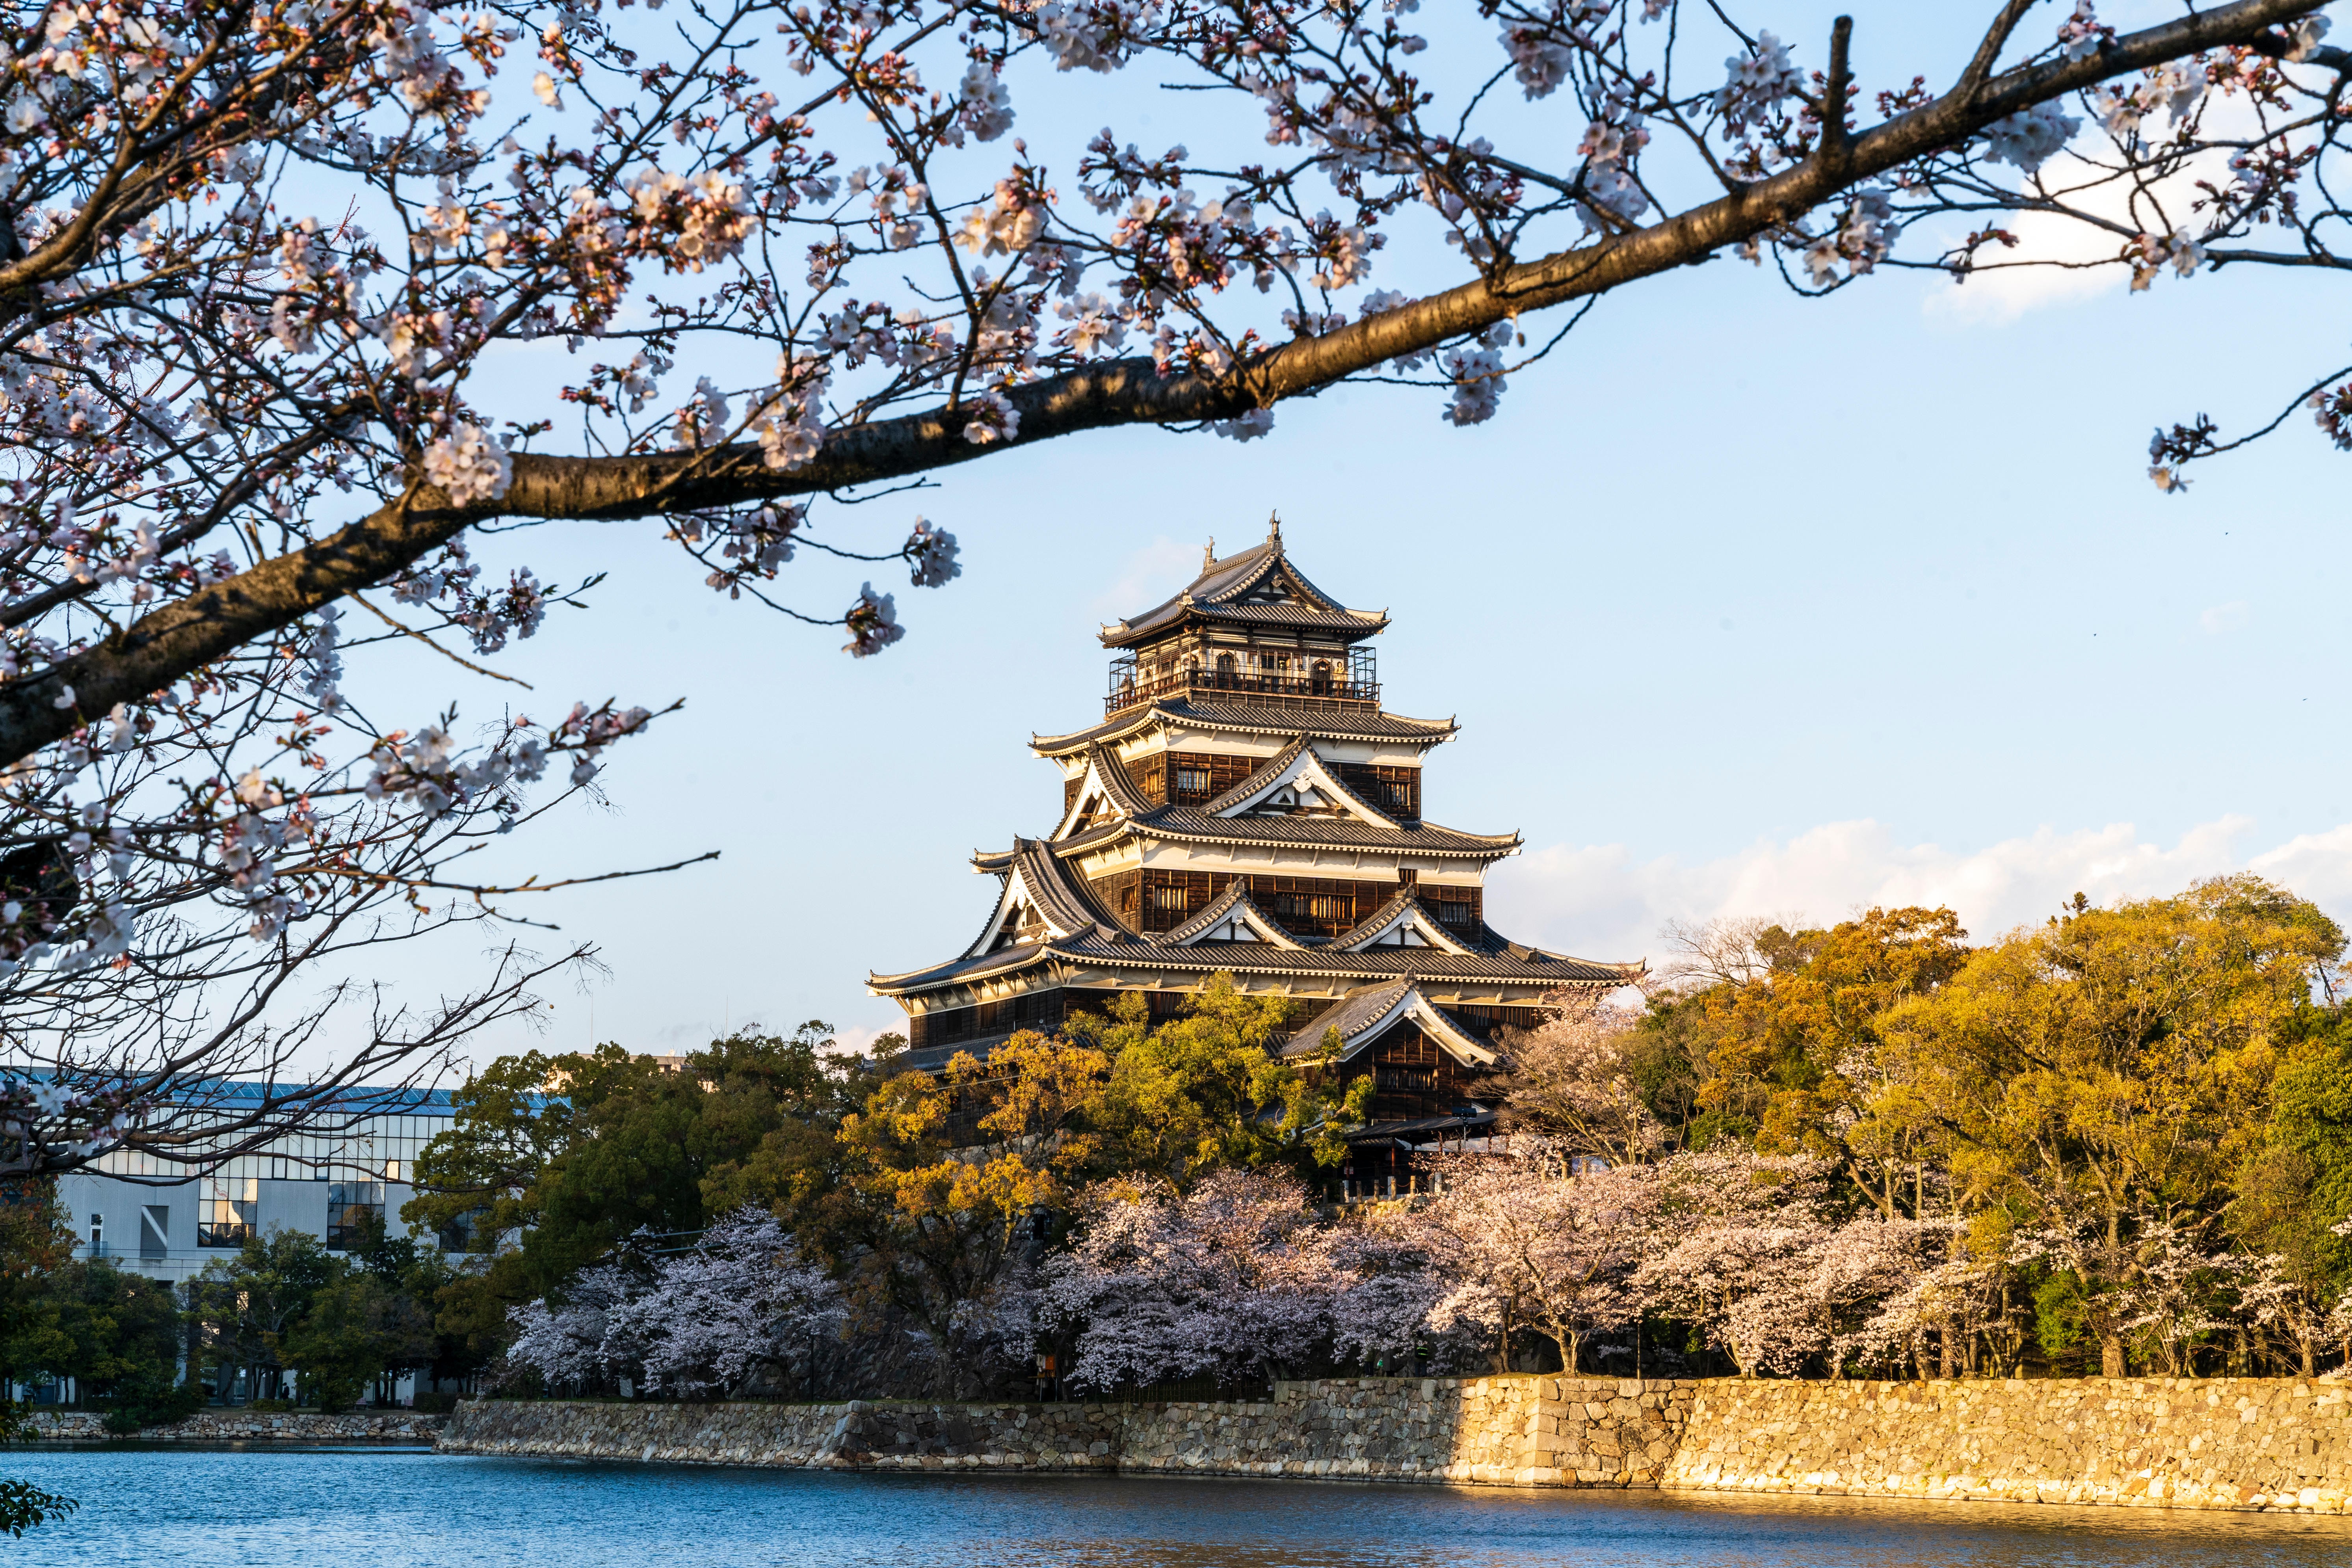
{"type": "Point", "coordinates": [1569, 1083]}
{"type": "Point", "coordinates": [738, 1302]}
{"type": "Point", "coordinates": [1521, 1244]}
{"type": "Point", "coordinates": [279, 283]}
{"type": "Point", "coordinates": [1235, 1279]}
{"type": "Point", "coordinates": [567, 1341]}
{"type": "Point", "coordinates": [1736, 1239]}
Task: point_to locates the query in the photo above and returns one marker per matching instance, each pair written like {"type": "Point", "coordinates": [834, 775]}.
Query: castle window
{"type": "Point", "coordinates": [1192, 781]}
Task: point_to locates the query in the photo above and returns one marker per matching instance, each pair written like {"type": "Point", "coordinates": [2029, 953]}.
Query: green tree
{"type": "Point", "coordinates": [356, 1329]}
{"type": "Point", "coordinates": [33, 1241]}
{"type": "Point", "coordinates": [552, 1162]}
{"type": "Point", "coordinates": [115, 1326]}
{"type": "Point", "coordinates": [248, 1303]}
{"type": "Point", "coordinates": [1210, 1089]}
{"type": "Point", "coordinates": [2113, 1070]}
{"type": "Point", "coordinates": [1791, 1032]}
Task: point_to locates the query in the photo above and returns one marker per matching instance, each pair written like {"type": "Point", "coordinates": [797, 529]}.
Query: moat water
{"type": "Point", "coordinates": [274, 1507]}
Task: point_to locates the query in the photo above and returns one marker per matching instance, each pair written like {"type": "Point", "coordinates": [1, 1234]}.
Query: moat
{"type": "Point", "coordinates": [277, 1507]}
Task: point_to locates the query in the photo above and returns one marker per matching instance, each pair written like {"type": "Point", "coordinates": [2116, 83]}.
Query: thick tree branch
{"type": "Point", "coordinates": [210, 624]}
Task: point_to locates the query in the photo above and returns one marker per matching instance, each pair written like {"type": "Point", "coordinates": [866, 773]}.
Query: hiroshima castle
{"type": "Point", "coordinates": [1246, 807]}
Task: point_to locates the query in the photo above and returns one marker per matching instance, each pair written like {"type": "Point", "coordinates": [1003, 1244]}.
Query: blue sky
{"type": "Point", "coordinates": [1745, 602]}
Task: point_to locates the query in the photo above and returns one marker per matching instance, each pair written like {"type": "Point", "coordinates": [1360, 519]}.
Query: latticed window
{"type": "Point", "coordinates": [1169, 898]}
{"type": "Point", "coordinates": [226, 1216]}
{"type": "Point", "coordinates": [352, 1207]}
{"type": "Point", "coordinates": [1192, 781]}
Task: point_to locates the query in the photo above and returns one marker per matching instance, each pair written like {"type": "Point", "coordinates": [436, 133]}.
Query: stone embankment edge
{"type": "Point", "coordinates": [240, 1427]}
{"type": "Point", "coordinates": [1523, 1431]}
{"type": "Point", "coordinates": [2225, 1443]}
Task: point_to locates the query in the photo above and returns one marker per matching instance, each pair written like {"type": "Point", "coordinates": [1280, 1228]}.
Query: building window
{"type": "Point", "coordinates": [1191, 781]}
{"type": "Point", "coordinates": [457, 1236]}
{"type": "Point", "coordinates": [1169, 898]}
{"type": "Point", "coordinates": [351, 1208]}
{"type": "Point", "coordinates": [225, 1216]}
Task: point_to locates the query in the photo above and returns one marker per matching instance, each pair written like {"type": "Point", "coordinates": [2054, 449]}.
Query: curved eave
{"type": "Point", "coordinates": [1348, 626]}
{"type": "Point", "coordinates": [1225, 831]}
{"type": "Point", "coordinates": [931, 977]}
{"type": "Point", "coordinates": [1323, 963]}
{"type": "Point", "coordinates": [1241, 719]}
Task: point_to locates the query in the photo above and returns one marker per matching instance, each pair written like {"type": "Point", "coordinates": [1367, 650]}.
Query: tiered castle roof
{"type": "Point", "coordinates": [1246, 805]}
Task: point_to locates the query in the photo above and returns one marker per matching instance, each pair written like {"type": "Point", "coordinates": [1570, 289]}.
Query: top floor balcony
{"type": "Point", "coordinates": [1346, 678]}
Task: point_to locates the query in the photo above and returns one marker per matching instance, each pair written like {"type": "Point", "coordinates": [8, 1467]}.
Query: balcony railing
{"type": "Point", "coordinates": [1249, 685]}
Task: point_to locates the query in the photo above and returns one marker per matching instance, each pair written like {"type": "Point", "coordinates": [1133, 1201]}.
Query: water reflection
{"type": "Point", "coordinates": [263, 1508]}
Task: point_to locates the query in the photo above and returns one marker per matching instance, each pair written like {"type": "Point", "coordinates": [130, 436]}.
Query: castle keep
{"type": "Point", "coordinates": [1246, 805]}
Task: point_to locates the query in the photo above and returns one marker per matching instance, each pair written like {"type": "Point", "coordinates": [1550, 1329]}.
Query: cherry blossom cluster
{"type": "Point", "coordinates": [701, 1323]}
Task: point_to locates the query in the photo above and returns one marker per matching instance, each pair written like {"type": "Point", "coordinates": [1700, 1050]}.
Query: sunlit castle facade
{"type": "Point", "coordinates": [1246, 805]}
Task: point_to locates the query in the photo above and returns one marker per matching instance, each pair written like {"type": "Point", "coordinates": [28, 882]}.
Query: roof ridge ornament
{"type": "Point", "coordinates": [1208, 555]}
{"type": "Point", "coordinates": [1273, 528]}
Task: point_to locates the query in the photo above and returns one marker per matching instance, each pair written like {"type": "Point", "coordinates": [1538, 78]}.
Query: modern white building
{"type": "Point", "coordinates": [147, 1216]}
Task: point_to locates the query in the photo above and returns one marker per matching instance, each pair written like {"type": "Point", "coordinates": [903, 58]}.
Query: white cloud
{"type": "Point", "coordinates": [2066, 250]}
{"type": "Point", "coordinates": [1599, 901]}
{"type": "Point", "coordinates": [2002, 290]}
{"type": "Point", "coordinates": [1149, 575]}
{"type": "Point", "coordinates": [857, 1039]}
{"type": "Point", "coordinates": [2223, 617]}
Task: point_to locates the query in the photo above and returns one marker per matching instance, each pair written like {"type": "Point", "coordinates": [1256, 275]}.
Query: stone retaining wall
{"type": "Point", "coordinates": [248, 1426]}
{"type": "Point", "coordinates": [1522, 1431]}
{"type": "Point", "coordinates": [2268, 1443]}
{"type": "Point", "coordinates": [2225, 1443]}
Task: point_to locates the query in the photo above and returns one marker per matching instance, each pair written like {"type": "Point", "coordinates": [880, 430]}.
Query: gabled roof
{"type": "Point", "coordinates": [1402, 912]}
{"type": "Point", "coordinates": [1258, 586]}
{"type": "Point", "coordinates": [1366, 1014]}
{"type": "Point", "coordinates": [1233, 907]}
{"type": "Point", "coordinates": [1033, 877]}
{"type": "Point", "coordinates": [1105, 780]}
{"type": "Point", "coordinates": [1296, 761]}
{"type": "Point", "coordinates": [1249, 719]}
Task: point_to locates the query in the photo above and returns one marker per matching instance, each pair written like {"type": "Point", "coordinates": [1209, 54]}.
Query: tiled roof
{"type": "Point", "coordinates": [1352, 1015]}
{"type": "Point", "coordinates": [1181, 824]}
{"type": "Point", "coordinates": [1404, 898]}
{"type": "Point", "coordinates": [1262, 958]}
{"type": "Point", "coordinates": [1109, 946]}
{"type": "Point", "coordinates": [1266, 772]}
{"type": "Point", "coordinates": [1124, 797]}
{"type": "Point", "coordinates": [1003, 960]}
{"type": "Point", "coordinates": [1271, 772]}
{"type": "Point", "coordinates": [1366, 1014]}
{"type": "Point", "coordinates": [1329, 723]}
{"type": "Point", "coordinates": [1222, 908]}
{"type": "Point", "coordinates": [1059, 897]}
{"type": "Point", "coordinates": [1215, 594]}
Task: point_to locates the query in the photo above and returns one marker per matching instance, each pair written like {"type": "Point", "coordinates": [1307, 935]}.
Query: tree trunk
{"type": "Point", "coordinates": [2111, 1355]}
